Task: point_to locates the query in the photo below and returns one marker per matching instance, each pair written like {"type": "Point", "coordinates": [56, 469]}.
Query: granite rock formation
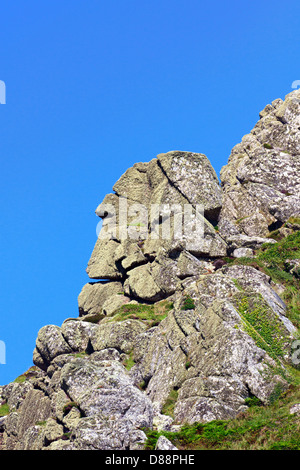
{"type": "Point", "coordinates": [169, 317]}
{"type": "Point", "coordinates": [260, 183]}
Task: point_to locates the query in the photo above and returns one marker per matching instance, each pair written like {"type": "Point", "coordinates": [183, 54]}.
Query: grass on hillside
{"type": "Point", "coordinates": [270, 427]}
{"type": "Point", "coordinates": [152, 314]}
{"type": "Point", "coordinates": [272, 260]}
{"type": "Point", "coordinates": [4, 409]}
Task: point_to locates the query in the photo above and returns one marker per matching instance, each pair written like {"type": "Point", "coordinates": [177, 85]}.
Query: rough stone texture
{"type": "Point", "coordinates": [118, 335]}
{"type": "Point", "coordinates": [78, 334]}
{"type": "Point", "coordinates": [293, 265]}
{"type": "Point", "coordinates": [295, 409]}
{"type": "Point", "coordinates": [101, 299]}
{"type": "Point", "coordinates": [261, 180]}
{"type": "Point", "coordinates": [114, 409]}
{"type": "Point", "coordinates": [146, 259]}
{"type": "Point", "coordinates": [206, 354]}
{"type": "Point", "coordinates": [103, 376]}
{"type": "Point", "coordinates": [164, 444]}
{"type": "Point", "coordinates": [194, 177]}
{"type": "Point", "coordinates": [242, 253]}
{"type": "Point", "coordinates": [49, 344]}
{"type": "Point", "coordinates": [21, 430]}
{"type": "Point", "coordinates": [244, 241]}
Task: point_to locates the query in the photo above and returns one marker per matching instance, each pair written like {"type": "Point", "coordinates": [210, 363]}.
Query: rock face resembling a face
{"type": "Point", "coordinates": [170, 329]}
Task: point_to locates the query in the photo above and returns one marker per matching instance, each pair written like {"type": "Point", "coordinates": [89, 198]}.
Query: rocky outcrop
{"type": "Point", "coordinates": [261, 188]}
{"type": "Point", "coordinates": [167, 331]}
{"type": "Point", "coordinates": [166, 184]}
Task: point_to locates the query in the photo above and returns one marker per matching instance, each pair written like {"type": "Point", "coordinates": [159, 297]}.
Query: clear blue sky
{"type": "Point", "coordinates": [93, 87]}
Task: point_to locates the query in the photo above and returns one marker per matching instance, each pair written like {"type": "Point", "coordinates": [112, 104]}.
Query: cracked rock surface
{"type": "Point", "coordinates": [165, 323]}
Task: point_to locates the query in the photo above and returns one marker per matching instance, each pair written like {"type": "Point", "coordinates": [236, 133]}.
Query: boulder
{"type": "Point", "coordinates": [295, 409]}
{"type": "Point", "coordinates": [243, 253]}
{"type": "Point", "coordinates": [49, 344]}
{"type": "Point", "coordinates": [114, 409]}
{"type": "Point", "coordinates": [193, 176]}
{"type": "Point", "coordinates": [98, 299]}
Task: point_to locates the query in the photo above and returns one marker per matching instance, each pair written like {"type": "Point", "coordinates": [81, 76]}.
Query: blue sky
{"type": "Point", "coordinates": [93, 87]}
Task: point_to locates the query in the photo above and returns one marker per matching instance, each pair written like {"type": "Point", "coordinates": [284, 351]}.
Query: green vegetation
{"type": "Point", "coordinates": [264, 327]}
{"type": "Point", "coordinates": [4, 409]}
{"type": "Point", "coordinates": [237, 284]}
{"type": "Point", "coordinates": [271, 259]}
{"type": "Point", "coordinates": [20, 379]}
{"type": "Point", "coordinates": [274, 259]}
{"type": "Point", "coordinates": [41, 423]}
{"type": "Point", "coordinates": [68, 406]}
{"type": "Point", "coordinates": [268, 146]}
{"type": "Point", "coordinates": [27, 375]}
{"type": "Point", "coordinates": [238, 221]}
{"type": "Point", "coordinates": [294, 220]}
{"type": "Point", "coordinates": [168, 408]}
{"type": "Point", "coordinates": [259, 428]}
{"type": "Point", "coordinates": [129, 361]}
{"type": "Point", "coordinates": [188, 304]}
{"type": "Point", "coordinates": [81, 354]}
{"type": "Point", "coordinates": [142, 385]}
{"type": "Point", "coordinates": [152, 314]}
{"type": "Point", "coordinates": [253, 401]}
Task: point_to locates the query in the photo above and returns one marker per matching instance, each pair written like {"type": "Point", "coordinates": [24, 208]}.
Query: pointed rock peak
{"type": "Point", "coordinates": [261, 182]}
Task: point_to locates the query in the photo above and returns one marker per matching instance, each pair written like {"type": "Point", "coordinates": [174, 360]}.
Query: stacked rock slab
{"type": "Point", "coordinates": [166, 319]}
{"type": "Point", "coordinates": [143, 267]}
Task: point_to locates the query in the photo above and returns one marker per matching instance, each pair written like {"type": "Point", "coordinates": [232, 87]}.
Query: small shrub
{"type": "Point", "coordinates": [129, 361]}
{"type": "Point", "coordinates": [142, 385]}
{"type": "Point", "coordinates": [188, 304]}
{"type": "Point", "coordinates": [152, 437]}
{"type": "Point", "coordinates": [253, 401]}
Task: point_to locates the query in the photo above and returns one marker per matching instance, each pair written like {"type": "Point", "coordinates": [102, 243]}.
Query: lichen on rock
{"type": "Point", "coordinates": [170, 332]}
